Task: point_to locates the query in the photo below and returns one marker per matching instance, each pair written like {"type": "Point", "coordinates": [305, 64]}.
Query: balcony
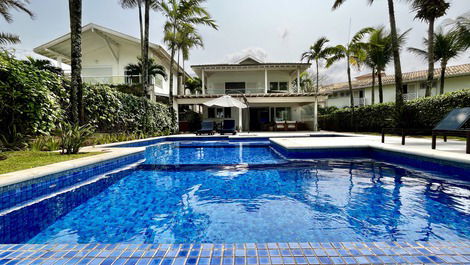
{"type": "Point", "coordinates": [223, 91]}
{"type": "Point", "coordinates": [120, 80]}
{"type": "Point", "coordinates": [410, 96]}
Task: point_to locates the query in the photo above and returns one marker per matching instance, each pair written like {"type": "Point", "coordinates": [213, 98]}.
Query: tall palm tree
{"type": "Point", "coordinates": [447, 46]}
{"type": "Point", "coordinates": [187, 39]}
{"type": "Point", "coordinates": [461, 25]}
{"type": "Point", "coordinates": [5, 7]}
{"type": "Point", "coordinates": [354, 53]}
{"type": "Point", "coordinates": [318, 52]}
{"type": "Point", "coordinates": [182, 14]}
{"type": "Point", "coordinates": [430, 10]}
{"type": "Point", "coordinates": [76, 103]}
{"type": "Point", "coordinates": [379, 54]}
{"type": "Point", "coordinates": [154, 69]}
{"type": "Point", "coordinates": [144, 7]}
{"type": "Point", "coordinates": [43, 64]}
{"type": "Point", "coordinates": [395, 52]}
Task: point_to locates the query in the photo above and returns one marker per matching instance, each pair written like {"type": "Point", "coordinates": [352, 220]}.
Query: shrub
{"type": "Point", "coordinates": [28, 105]}
{"type": "Point", "coordinates": [422, 113]}
{"type": "Point", "coordinates": [72, 137]}
{"type": "Point", "coordinates": [45, 143]}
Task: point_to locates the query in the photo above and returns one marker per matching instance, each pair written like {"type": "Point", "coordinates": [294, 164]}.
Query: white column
{"type": "Point", "coordinates": [298, 79]}
{"type": "Point", "coordinates": [59, 62]}
{"type": "Point", "coordinates": [203, 82]}
{"type": "Point", "coordinates": [240, 119]}
{"type": "Point", "coordinates": [265, 81]}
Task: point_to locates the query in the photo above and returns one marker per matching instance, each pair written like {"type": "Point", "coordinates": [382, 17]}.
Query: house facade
{"type": "Point", "coordinates": [267, 89]}
{"type": "Point", "coordinates": [457, 78]}
{"type": "Point", "coordinates": [106, 53]}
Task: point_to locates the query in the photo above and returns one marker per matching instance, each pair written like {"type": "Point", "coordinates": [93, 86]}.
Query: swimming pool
{"type": "Point", "coordinates": [250, 191]}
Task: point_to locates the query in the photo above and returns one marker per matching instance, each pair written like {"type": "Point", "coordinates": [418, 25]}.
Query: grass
{"type": "Point", "coordinates": [18, 160]}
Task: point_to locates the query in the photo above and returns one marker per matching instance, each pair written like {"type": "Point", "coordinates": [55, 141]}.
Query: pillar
{"type": "Point", "coordinates": [265, 81]}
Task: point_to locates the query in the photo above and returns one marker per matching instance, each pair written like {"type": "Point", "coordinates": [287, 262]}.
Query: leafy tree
{"type": "Point", "coordinates": [354, 53]}
{"type": "Point", "coordinates": [193, 84]}
{"type": "Point", "coordinates": [395, 52]}
{"type": "Point", "coordinates": [5, 7]}
{"type": "Point", "coordinates": [154, 69]}
{"type": "Point", "coordinates": [318, 52]}
{"type": "Point", "coordinates": [43, 64]}
{"type": "Point", "coordinates": [182, 14]}
{"type": "Point", "coordinates": [76, 97]}
{"type": "Point", "coordinates": [447, 46]}
{"type": "Point", "coordinates": [430, 10]}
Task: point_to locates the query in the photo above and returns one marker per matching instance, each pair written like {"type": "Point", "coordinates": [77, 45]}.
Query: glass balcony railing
{"type": "Point", "coordinates": [223, 91]}
{"type": "Point", "coordinates": [121, 80]}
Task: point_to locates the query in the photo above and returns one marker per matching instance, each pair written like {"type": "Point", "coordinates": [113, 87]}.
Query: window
{"type": "Point", "coordinates": [278, 86]}
{"type": "Point", "coordinates": [219, 113]}
{"type": "Point", "coordinates": [282, 113]}
{"type": "Point", "coordinates": [235, 87]}
{"type": "Point", "coordinates": [405, 89]}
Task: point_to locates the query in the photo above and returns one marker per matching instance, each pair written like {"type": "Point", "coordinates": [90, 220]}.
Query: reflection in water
{"type": "Point", "coordinates": [326, 201]}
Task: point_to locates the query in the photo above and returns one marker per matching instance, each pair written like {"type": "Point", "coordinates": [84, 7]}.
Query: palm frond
{"type": "Point", "coordinates": [8, 38]}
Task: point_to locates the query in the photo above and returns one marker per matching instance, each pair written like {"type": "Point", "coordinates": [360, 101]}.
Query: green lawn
{"type": "Point", "coordinates": [18, 160]}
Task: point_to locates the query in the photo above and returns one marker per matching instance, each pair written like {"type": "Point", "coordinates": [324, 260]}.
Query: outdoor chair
{"type": "Point", "coordinates": [280, 126]}
{"type": "Point", "coordinates": [228, 127]}
{"type": "Point", "coordinates": [207, 127]}
{"type": "Point", "coordinates": [291, 125]}
{"type": "Point", "coordinates": [454, 124]}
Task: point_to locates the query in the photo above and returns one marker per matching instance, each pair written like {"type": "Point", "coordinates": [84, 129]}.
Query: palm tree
{"type": "Point", "coordinates": [395, 52]}
{"type": "Point", "coordinates": [42, 64]}
{"type": "Point", "coordinates": [318, 52]}
{"type": "Point", "coordinates": [430, 10]}
{"type": "Point", "coordinates": [461, 25]}
{"type": "Point", "coordinates": [187, 39]}
{"type": "Point", "coordinates": [76, 103]}
{"type": "Point", "coordinates": [182, 14]}
{"type": "Point", "coordinates": [5, 7]}
{"type": "Point", "coordinates": [379, 55]}
{"type": "Point", "coordinates": [154, 69]}
{"type": "Point", "coordinates": [144, 7]}
{"type": "Point", "coordinates": [447, 46]}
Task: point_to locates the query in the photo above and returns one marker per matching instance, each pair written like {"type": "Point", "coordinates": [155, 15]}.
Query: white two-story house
{"type": "Point", "coordinates": [106, 53]}
{"type": "Point", "coordinates": [267, 89]}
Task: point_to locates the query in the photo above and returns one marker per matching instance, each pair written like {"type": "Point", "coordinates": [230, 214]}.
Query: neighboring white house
{"type": "Point", "coordinates": [106, 53]}
{"type": "Point", "coordinates": [457, 78]}
{"type": "Point", "coordinates": [265, 87]}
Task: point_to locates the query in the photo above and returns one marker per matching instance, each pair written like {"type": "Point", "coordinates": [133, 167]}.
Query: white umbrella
{"type": "Point", "coordinates": [226, 102]}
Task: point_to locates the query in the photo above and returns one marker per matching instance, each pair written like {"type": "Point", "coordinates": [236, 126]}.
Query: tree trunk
{"type": "Point", "coordinates": [373, 86]}
{"type": "Point", "coordinates": [178, 77]}
{"type": "Point", "coordinates": [184, 79]}
{"type": "Point", "coordinates": [76, 97]}
{"type": "Point", "coordinates": [139, 6]}
{"type": "Point", "coordinates": [443, 75]}
{"type": "Point", "coordinates": [381, 91]}
{"type": "Point", "coordinates": [170, 95]}
{"type": "Point", "coordinates": [351, 95]}
{"type": "Point", "coordinates": [430, 58]}
{"type": "Point", "coordinates": [145, 54]}
{"type": "Point", "coordinates": [396, 59]}
{"type": "Point", "coordinates": [315, 107]}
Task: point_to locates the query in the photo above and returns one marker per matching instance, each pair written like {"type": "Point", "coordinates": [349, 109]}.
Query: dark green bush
{"type": "Point", "coordinates": [422, 113]}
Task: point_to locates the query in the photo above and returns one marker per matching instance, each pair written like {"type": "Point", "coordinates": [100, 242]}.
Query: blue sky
{"type": "Point", "coordinates": [276, 30]}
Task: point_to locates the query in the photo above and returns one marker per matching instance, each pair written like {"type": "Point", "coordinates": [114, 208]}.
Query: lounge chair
{"type": "Point", "coordinates": [453, 125]}
{"type": "Point", "coordinates": [280, 126]}
{"type": "Point", "coordinates": [291, 125]}
{"type": "Point", "coordinates": [228, 127]}
{"type": "Point", "coordinates": [207, 127]}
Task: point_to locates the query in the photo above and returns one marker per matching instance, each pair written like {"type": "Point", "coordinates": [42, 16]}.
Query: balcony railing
{"type": "Point", "coordinates": [410, 96]}
{"type": "Point", "coordinates": [120, 80]}
{"type": "Point", "coordinates": [238, 91]}
{"type": "Point", "coordinates": [360, 101]}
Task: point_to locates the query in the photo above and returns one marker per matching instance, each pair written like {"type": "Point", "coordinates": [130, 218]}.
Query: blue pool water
{"type": "Point", "coordinates": [246, 192]}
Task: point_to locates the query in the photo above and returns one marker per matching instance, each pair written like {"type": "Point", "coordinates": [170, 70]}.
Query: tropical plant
{"type": "Point", "coordinates": [5, 7]}
{"type": "Point", "coordinates": [187, 38]}
{"type": "Point", "coordinates": [182, 15]}
{"type": "Point", "coordinates": [318, 52]}
{"type": "Point", "coordinates": [43, 64]}
{"type": "Point", "coordinates": [461, 26]}
{"type": "Point", "coordinates": [379, 55]}
{"type": "Point", "coordinates": [45, 143]}
{"type": "Point", "coordinates": [72, 136]}
{"type": "Point", "coordinates": [154, 69]}
{"type": "Point", "coordinates": [395, 52]}
{"type": "Point", "coordinates": [447, 46]}
{"type": "Point", "coordinates": [193, 85]}
{"type": "Point", "coordinates": [354, 53]}
{"type": "Point", "coordinates": [76, 91]}
{"type": "Point", "coordinates": [430, 10]}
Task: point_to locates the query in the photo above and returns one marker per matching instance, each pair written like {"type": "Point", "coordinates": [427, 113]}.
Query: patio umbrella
{"type": "Point", "coordinates": [228, 102]}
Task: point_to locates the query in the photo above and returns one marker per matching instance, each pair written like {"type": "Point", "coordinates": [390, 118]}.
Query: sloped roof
{"type": "Point", "coordinates": [255, 95]}
{"type": "Point", "coordinates": [451, 71]}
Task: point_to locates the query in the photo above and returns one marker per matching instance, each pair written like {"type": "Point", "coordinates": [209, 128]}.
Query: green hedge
{"type": "Point", "coordinates": [422, 113]}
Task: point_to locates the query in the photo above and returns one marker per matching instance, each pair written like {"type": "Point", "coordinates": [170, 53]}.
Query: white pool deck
{"type": "Point", "coordinates": [451, 150]}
